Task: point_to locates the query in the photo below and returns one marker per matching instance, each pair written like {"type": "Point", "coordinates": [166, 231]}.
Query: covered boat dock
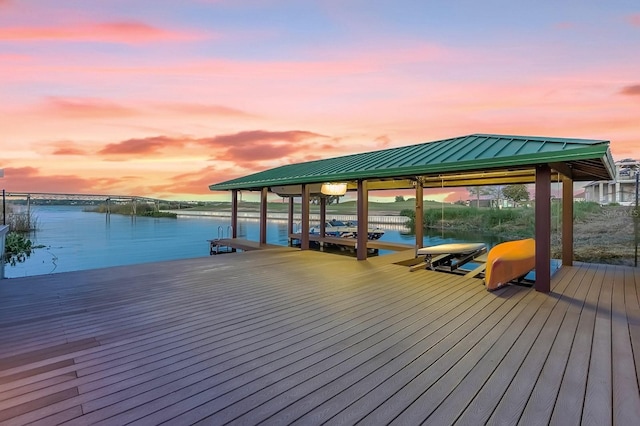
{"type": "Point", "coordinates": [473, 160]}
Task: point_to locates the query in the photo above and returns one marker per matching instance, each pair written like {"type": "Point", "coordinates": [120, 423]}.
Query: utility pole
{"type": "Point", "coordinates": [4, 203]}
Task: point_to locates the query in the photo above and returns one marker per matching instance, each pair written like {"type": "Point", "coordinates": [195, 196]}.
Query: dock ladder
{"type": "Point", "coordinates": [218, 245]}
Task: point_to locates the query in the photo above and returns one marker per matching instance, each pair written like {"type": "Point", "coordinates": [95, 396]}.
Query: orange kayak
{"type": "Point", "coordinates": [508, 261]}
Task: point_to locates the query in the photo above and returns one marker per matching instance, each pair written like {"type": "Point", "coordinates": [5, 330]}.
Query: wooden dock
{"type": "Point", "coordinates": [302, 337]}
{"type": "Point", "coordinates": [226, 245]}
{"type": "Point", "coordinates": [352, 242]}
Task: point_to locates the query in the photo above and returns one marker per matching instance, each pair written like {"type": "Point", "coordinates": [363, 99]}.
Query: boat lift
{"type": "Point", "coordinates": [449, 257]}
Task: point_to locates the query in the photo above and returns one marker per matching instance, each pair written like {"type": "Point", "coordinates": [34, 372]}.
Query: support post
{"type": "Point", "coordinates": [543, 228]}
{"type": "Point", "coordinates": [363, 220]}
{"type": "Point", "coordinates": [419, 219]}
{"type": "Point", "coordinates": [567, 221]}
{"type": "Point", "coordinates": [290, 221]}
{"type": "Point", "coordinates": [323, 215]}
{"type": "Point", "coordinates": [304, 229]}
{"type": "Point", "coordinates": [234, 213]}
{"type": "Point", "coordinates": [263, 215]}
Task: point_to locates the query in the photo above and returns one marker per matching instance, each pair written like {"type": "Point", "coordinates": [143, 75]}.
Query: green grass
{"type": "Point", "coordinates": [147, 210]}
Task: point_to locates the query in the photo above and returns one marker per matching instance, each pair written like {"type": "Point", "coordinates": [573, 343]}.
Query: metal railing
{"type": "Point", "coordinates": [4, 230]}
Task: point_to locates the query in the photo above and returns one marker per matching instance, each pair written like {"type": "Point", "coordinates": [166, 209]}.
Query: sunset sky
{"type": "Point", "coordinates": [162, 98]}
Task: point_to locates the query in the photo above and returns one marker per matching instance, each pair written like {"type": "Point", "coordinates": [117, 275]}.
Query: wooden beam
{"type": "Point", "coordinates": [263, 215]}
{"type": "Point", "coordinates": [543, 229]}
{"type": "Point", "coordinates": [512, 180]}
{"type": "Point", "coordinates": [363, 219]}
{"type": "Point", "coordinates": [385, 184]}
{"type": "Point", "coordinates": [562, 168]}
{"type": "Point", "coordinates": [304, 228]}
{"type": "Point", "coordinates": [567, 221]}
{"type": "Point", "coordinates": [419, 219]}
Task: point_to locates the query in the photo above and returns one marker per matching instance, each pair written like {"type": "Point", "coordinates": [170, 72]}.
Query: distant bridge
{"type": "Point", "coordinates": [106, 198]}
{"type": "Point", "coordinates": [83, 197]}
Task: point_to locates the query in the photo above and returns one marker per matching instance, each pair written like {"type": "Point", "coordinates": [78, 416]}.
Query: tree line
{"type": "Point", "coordinates": [517, 193]}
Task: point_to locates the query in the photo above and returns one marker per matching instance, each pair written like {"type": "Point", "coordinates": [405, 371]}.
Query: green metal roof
{"type": "Point", "coordinates": [582, 159]}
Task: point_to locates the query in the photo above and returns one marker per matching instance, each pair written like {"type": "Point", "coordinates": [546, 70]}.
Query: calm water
{"type": "Point", "coordinates": [76, 240]}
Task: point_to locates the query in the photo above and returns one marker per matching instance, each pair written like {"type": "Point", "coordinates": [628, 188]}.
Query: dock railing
{"type": "Point", "coordinates": [4, 230]}
{"type": "Point", "coordinates": [391, 220]}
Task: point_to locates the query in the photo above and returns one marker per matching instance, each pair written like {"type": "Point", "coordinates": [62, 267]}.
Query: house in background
{"type": "Point", "coordinates": [621, 190]}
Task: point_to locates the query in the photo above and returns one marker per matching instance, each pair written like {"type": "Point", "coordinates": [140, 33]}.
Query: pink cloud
{"type": "Point", "coordinates": [69, 151]}
{"type": "Point", "coordinates": [253, 136]}
{"type": "Point", "coordinates": [250, 148]}
{"type": "Point", "coordinates": [246, 149]}
{"type": "Point", "coordinates": [146, 146]}
{"type": "Point", "coordinates": [126, 32]}
{"type": "Point", "coordinates": [204, 109]}
{"type": "Point", "coordinates": [248, 154]}
{"type": "Point", "coordinates": [85, 108]}
{"type": "Point", "coordinates": [632, 90]}
{"type": "Point", "coordinates": [36, 179]}
{"type": "Point", "coordinates": [634, 20]}
{"type": "Point", "coordinates": [30, 179]}
{"type": "Point", "coordinates": [196, 182]}
{"type": "Point", "coordinates": [382, 142]}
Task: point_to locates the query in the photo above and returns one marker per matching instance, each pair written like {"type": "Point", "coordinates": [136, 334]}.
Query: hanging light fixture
{"type": "Point", "coordinates": [334, 188]}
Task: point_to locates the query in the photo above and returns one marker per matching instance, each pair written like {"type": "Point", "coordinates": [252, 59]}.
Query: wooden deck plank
{"type": "Point", "coordinates": [81, 372]}
{"type": "Point", "coordinates": [626, 394]}
{"type": "Point", "coordinates": [352, 242]}
{"type": "Point", "coordinates": [418, 378]}
{"type": "Point", "coordinates": [517, 395]}
{"type": "Point", "coordinates": [106, 318]}
{"type": "Point", "coordinates": [540, 406]}
{"type": "Point", "coordinates": [59, 377]}
{"type": "Point", "coordinates": [295, 319]}
{"type": "Point", "coordinates": [509, 350]}
{"type": "Point", "coordinates": [489, 393]}
{"type": "Point", "coordinates": [290, 336]}
{"type": "Point", "coordinates": [244, 244]}
{"type": "Point", "coordinates": [295, 358]}
{"type": "Point", "coordinates": [598, 400]}
{"type": "Point", "coordinates": [632, 304]}
{"type": "Point", "coordinates": [569, 402]}
{"type": "Point", "coordinates": [392, 354]}
{"type": "Point", "coordinates": [468, 388]}
{"type": "Point", "coordinates": [322, 403]}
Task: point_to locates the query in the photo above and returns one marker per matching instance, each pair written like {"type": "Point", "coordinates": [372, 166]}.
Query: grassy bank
{"type": "Point", "coordinates": [130, 209]}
